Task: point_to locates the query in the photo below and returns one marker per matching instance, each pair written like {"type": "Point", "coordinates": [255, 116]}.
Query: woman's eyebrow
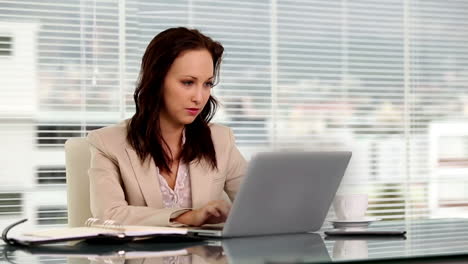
{"type": "Point", "coordinates": [193, 77]}
{"type": "Point", "coordinates": [190, 76]}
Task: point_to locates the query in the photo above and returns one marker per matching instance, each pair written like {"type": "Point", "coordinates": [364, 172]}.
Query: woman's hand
{"type": "Point", "coordinates": [214, 212]}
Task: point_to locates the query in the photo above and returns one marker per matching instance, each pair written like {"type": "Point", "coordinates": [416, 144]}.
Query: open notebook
{"type": "Point", "coordinates": [95, 230]}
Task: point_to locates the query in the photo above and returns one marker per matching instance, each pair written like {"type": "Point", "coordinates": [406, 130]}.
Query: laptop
{"type": "Point", "coordinates": [282, 193]}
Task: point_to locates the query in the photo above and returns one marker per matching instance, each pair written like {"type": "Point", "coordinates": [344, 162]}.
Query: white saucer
{"type": "Point", "coordinates": [366, 221]}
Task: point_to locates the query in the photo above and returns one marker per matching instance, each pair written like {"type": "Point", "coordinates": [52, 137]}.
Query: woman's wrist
{"type": "Point", "coordinates": [185, 218]}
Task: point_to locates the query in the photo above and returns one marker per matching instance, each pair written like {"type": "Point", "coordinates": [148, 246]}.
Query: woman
{"type": "Point", "coordinates": [167, 164]}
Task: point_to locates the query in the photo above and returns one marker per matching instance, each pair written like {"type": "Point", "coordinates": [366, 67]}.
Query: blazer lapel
{"type": "Point", "coordinates": [200, 180]}
{"type": "Point", "coordinates": [147, 179]}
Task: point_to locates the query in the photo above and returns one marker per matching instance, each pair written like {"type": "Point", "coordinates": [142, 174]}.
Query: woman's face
{"type": "Point", "coordinates": [187, 87]}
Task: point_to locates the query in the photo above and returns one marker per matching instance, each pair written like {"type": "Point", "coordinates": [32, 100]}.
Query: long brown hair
{"type": "Point", "coordinates": [143, 130]}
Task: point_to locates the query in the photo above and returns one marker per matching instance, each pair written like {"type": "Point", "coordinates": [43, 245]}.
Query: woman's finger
{"type": "Point", "coordinates": [213, 211]}
{"type": "Point", "coordinates": [224, 208]}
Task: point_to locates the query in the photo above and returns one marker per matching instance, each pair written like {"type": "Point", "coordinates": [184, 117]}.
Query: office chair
{"type": "Point", "coordinates": [77, 161]}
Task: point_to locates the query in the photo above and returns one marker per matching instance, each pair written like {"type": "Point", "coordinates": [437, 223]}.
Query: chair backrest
{"type": "Point", "coordinates": [77, 161]}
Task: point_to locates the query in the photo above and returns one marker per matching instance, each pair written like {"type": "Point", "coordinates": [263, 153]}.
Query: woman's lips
{"type": "Point", "coordinates": [192, 111]}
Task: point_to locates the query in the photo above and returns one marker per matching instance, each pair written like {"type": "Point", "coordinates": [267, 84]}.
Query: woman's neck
{"type": "Point", "coordinates": [172, 134]}
{"type": "Point", "coordinates": [173, 137]}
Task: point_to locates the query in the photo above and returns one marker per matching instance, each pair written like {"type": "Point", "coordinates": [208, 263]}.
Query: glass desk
{"type": "Point", "coordinates": [428, 241]}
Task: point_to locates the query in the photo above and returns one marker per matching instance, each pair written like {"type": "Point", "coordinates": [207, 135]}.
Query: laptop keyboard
{"type": "Point", "coordinates": [218, 228]}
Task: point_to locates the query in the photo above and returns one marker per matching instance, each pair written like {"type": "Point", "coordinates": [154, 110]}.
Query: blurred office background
{"type": "Point", "coordinates": [385, 79]}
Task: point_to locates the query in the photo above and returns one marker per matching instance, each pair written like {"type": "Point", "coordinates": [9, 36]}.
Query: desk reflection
{"type": "Point", "coordinates": [443, 239]}
{"type": "Point", "coordinates": [297, 248]}
{"type": "Point", "coordinates": [350, 249]}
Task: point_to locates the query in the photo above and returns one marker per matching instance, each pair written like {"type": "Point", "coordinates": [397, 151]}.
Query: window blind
{"type": "Point", "coordinates": [438, 107]}
{"type": "Point", "coordinates": [385, 79]}
{"type": "Point", "coordinates": [341, 86]}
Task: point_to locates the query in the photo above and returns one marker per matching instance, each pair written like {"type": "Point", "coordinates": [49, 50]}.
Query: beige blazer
{"type": "Point", "coordinates": [125, 190]}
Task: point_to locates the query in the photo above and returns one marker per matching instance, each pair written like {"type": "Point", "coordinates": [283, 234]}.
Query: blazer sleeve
{"type": "Point", "coordinates": [107, 194]}
{"type": "Point", "coordinates": [236, 168]}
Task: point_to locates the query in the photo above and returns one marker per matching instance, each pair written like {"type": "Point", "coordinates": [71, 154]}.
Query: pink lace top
{"type": "Point", "coordinates": [181, 196]}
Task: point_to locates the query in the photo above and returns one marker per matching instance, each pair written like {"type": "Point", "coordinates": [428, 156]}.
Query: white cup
{"type": "Point", "coordinates": [350, 206]}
